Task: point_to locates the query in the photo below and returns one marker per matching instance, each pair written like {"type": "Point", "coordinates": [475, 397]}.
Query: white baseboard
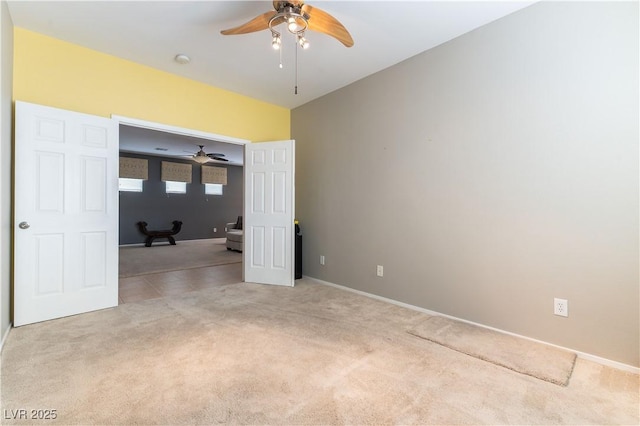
{"type": "Point", "coordinates": [583, 355]}
{"type": "Point", "coordinates": [5, 335]}
{"type": "Point", "coordinates": [221, 240]}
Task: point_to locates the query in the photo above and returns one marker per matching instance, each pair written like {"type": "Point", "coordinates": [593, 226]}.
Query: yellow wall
{"type": "Point", "coordinates": [52, 72]}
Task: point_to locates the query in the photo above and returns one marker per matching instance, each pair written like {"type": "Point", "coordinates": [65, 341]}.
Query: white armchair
{"type": "Point", "coordinates": [235, 235]}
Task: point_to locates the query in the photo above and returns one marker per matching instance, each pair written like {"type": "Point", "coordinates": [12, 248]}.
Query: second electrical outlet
{"type": "Point", "coordinates": [380, 271]}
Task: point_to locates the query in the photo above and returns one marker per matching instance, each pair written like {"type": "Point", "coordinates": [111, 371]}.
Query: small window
{"type": "Point", "coordinates": [213, 188]}
{"type": "Point", "coordinates": [130, 185]}
{"type": "Point", "coordinates": [176, 187]}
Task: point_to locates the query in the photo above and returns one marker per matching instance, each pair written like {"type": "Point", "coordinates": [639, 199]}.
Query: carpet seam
{"type": "Point", "coordinates": [564, 384]}
{"type": "Point", "coordinates": [182, 268]}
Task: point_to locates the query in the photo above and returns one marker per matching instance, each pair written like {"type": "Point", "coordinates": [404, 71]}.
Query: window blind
{"type": "Point", "coordinates": [176, 172]}
{"type": "Point", "coordinates": [214, 175]}
{"type": "Point", "coordinates": [134, 168]}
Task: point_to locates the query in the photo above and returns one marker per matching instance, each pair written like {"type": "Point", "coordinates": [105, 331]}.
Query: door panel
{"type": "Point", "coordinates": [66, 199]}
{"type": "Point", "coordinates": [49, 256]}
{"type": "Point", "coordinates": [94, 259]}
{"type": "Point", "coordinates": [269, 213]}
{"type": "Point", "coordinates": [94, 187]}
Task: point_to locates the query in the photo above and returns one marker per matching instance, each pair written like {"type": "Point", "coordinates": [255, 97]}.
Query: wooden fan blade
{"type": "Point", "coordinates": [321, 21]}
{"type": "Point", "coordinates": [258, 23]}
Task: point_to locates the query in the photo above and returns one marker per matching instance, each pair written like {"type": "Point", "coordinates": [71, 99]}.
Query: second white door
{"type": "Point", "coordinates": [269, 206]}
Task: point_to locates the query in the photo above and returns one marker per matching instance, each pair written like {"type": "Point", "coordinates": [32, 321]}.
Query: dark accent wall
{"type": "Point", "coordinates": [199, 213]}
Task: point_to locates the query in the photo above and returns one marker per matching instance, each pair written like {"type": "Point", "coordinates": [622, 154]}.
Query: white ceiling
{"type": "Point", "coordinates": [153, 32]}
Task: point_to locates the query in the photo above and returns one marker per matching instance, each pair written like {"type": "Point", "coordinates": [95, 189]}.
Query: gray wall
{"type": "Point", "coordinates": [488, 176]}
{"type": "Point", "coordinates": [199, 213]}
{"type": "Point", "coordinates": [6, 143]}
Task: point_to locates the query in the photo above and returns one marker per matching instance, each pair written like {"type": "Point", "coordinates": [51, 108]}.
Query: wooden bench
{"type": "Point", "coordinates": [167, 233]}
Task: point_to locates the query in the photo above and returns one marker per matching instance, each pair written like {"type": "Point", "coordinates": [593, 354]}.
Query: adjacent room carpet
{"type": "Point", "coordinates": [524, 356]}
{"type": "Point", "coordinates": [162, 257]}
{"type": "Point", "coordinates": [254, 354]}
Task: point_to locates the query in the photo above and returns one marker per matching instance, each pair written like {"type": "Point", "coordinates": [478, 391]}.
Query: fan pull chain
{"type": "Point", "coordinates": [280, 50]}
{"type": "Point", "coordinates": [296, 88]}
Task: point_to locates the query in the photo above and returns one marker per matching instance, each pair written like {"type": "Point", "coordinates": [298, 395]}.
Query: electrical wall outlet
{"type": "Point", "coordinates": [215, 229]}
{"type": "Point", "coordinates": [321, 259]}
{"type": "Point", "coordinates": [380, 270]}
{"type": "Point", "coordinates": [560, 307]}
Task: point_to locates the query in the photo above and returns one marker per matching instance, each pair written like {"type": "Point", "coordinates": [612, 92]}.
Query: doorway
{"type": "Point", "coordinates": [200, 259]}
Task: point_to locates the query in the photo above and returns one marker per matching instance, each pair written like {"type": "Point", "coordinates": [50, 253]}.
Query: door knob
{"type": "Point", "coordinates": [23, 225]}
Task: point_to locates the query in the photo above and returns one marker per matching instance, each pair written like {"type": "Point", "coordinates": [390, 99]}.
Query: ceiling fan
{"type": "Point", "coordinates": [202, 157]}
{"type": "Point", "coordinates": [299, 17]}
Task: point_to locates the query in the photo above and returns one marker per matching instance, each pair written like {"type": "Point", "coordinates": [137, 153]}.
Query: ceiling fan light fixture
{"type": "Point", "coordinates": [292, 25]}
{"type": "Point", "coordinates": [296, 16]}
{"type": "Point", "coordinates": [201, 160]}
{"type": "Point", "coordinates": [276, 42]}
{"type": "Point", "coordinates": [200, 156]}
{"type": "Point", "coordinates": [304, 43]}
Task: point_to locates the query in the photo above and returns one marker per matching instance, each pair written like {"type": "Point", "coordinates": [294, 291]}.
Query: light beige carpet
{"type": "Point", "coordinates": [524, 356]}
{"type": "Point", "coordinates": [251, 354]}
{"type": "Point", "coordinates": [163, 257]}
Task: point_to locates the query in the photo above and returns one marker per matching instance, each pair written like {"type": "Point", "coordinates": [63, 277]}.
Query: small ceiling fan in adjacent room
{"type": "Point", "coordinates": [202, 157]}
{"type": "Point", "coordinates": [299, 17]}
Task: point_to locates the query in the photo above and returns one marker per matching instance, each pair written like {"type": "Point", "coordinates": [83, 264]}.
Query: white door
{"type": "Point", "coordinates": [269, 205]}
{"type": "Point", "coordinates": [66, 213]}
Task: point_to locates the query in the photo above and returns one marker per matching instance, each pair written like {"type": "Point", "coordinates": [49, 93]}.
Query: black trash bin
{"type": "Point", "coordinates": [298, 267]}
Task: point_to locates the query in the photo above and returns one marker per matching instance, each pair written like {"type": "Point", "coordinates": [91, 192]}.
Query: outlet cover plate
{"type": "Point", "coordinates": [561, 307]}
